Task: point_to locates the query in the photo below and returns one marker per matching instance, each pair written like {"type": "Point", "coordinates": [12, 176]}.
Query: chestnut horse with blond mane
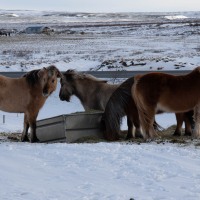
{"type": "Point", "coordinates": [27, 95]}
{"type": "Point", "coordinates": [168, 93]}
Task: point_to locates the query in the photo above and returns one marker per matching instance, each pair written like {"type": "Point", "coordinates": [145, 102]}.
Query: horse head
{"type": "Point", "coordinates": [67, 82]}
{"type": "Point", "coordinates": [48, 79]}
{"type": "Point", "coordinates": [72, 83]}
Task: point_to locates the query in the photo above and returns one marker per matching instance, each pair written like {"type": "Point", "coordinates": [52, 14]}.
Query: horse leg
{"type": "Point", "coordinates": [189, 115]}
{"type": "Point", "coordinates": [33, 137]}
{"type": "Point", "coordinates": [179, 120]}
{"type": "Point", "coordinates": [197, 121]}
{"type": "Point", "coordinates": [147, 122]}
{"type": "Point", "coordinates": [133, 123]}
{"type": "Point", "coordinates": [24, 137]}
{"type": "Point", "coordinates": [152, 131]}
{"type": "Point", "coordinates": [188, 126]}
{"type": "Point", "coordinates": [32, 122]}
{"type": "Point", "coordinates": [138, 133]}
{"type": "Point", "coordinates": [131, 131]}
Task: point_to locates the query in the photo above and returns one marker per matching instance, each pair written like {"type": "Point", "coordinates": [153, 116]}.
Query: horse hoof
{"type": "Point", "coordinates": [33, 140]}
{"type": "Point", "coordinates": [176, 134]}
{"type": "Point", "coordinates": [138, 135]}
{"type": "Point", "coordinates": [128, 138]}
{"type": "Point", "coordinates": [188, 134]}
{"type": "Point", "coordinates": [24, 138]}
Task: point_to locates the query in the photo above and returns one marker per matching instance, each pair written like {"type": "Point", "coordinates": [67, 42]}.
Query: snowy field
{"type": "Point", "coordinates": [98, 171]}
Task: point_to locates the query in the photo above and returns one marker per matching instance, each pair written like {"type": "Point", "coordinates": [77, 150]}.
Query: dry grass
{"type": "Point", "coordinates": [164, 137]}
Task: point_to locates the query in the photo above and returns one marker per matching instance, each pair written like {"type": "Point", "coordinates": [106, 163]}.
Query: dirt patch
{"type": "Point", "coordinates": [10, 137]}
{"type": "Point", "coordinates": [165, 136]}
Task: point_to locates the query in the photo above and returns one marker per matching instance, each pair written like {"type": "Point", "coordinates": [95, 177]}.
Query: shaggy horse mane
{"type": "Point", "coordinates": [72, 74]}
{"type": "Point", "coordinates": [32, 77]}
{"type": "Point", "coordinates": [116, 107]}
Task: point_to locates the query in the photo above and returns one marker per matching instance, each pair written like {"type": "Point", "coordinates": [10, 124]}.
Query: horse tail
{"type": "Point", "coordinates": [142, 109]}
{"type": "Point", "coordinates": [157, 127]}
{"type": "Point", "coordinates": [145, 108]}
{"type": "Point", "coordinates": [116, 109]}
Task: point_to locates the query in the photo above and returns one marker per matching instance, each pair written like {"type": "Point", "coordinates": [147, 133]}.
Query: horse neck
{"type": "Point", "coordinates": [93, 94]}
{"type": "Point", "coordinates": [35, 90]}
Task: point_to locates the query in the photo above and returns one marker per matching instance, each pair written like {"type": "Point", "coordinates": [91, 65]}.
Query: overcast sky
{"type": "Point", "coordinates": [103, 5]}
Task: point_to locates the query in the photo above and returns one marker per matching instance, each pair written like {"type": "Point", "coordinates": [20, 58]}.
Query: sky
{"type": "Point", "coordinates": [103, 5]}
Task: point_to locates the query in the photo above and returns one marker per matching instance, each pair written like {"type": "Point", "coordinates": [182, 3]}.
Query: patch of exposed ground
{"type": "Point", "coordinates": [165, 136]}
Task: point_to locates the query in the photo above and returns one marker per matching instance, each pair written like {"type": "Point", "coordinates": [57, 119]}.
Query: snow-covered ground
{"type": "Point", "coordinates": [104, 171]}
{"type": "Point", "coordinates": [98, 171]}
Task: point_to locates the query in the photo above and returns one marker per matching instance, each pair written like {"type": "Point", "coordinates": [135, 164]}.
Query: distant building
{"type": "Point", "coordinates": [38, 30]}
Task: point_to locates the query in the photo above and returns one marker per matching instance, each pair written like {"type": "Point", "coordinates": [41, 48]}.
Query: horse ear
{"type": "Point", "coordinates": [41, 72]}
{"type": "Point", "coordinates": [59, 74]}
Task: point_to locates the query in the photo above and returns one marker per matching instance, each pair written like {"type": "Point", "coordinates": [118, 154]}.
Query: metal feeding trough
{"type": "Point", "coordinates": [70, 128]}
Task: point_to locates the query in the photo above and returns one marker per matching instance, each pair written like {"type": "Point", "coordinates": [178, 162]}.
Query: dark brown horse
{"type": "Point", "coordinates": [119, 105]}
{"type": "Point", "coordinates": [122, 104]}
{"type": "Point", "coordinates": [27, 95]}
{"type": "Point", "coordinates": [168, 93]}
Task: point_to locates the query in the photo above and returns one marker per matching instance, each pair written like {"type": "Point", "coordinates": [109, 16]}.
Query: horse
{"type": "Point", "coordinates": [27, 95]}
{"type": "Point", "coordinates": [97, 94]}
{"type": "Point", "coordinates": [122, 104]}
{"type": "Point", "coordinates": [168, 93]}
{"type": "Point", "coordinates": [93, 93]}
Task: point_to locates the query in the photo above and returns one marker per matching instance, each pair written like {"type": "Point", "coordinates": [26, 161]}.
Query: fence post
{"type": "Point", "coordinates": [4, 119]}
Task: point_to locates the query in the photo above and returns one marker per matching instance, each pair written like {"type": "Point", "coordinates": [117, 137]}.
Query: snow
{"type": "Point", "coordinates": [105, 171]}
{"type": "Point", "coordinates": [110, 171]}
{"type": "Point", "coordinates": [176, 17]}
{"type": "Point", "coordinates": [99, 171]}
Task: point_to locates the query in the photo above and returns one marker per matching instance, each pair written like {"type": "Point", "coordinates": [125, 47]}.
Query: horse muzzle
{"type": "Point", "coordinates": [62, 98]}
{"type": "Point", "coordinates": [45, 94]}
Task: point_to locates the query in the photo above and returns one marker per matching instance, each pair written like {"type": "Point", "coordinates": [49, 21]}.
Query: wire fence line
{"type": "Point", "coordinates": [108, 74]}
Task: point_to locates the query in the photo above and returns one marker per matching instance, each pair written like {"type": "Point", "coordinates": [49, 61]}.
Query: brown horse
{"type": "Point", "coordinates": [93, 93]}
{"type": "Point", "coordinates": [27, 95]}
{"type": "Point", "coordinates": [168, 93]}
{"type": "Point", "coordinates": [122, 104]}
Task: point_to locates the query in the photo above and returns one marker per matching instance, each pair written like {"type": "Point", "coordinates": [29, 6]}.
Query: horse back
{"type": "Point", "coordinates": [103, 94]}
{"type": "Point", "coordinates": [14, 94]}
{"type": "Point", "coordinates": [167, 90]}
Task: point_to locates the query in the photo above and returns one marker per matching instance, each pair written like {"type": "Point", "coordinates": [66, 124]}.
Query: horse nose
{"type": "Point", "coordinates": [45, 92]}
